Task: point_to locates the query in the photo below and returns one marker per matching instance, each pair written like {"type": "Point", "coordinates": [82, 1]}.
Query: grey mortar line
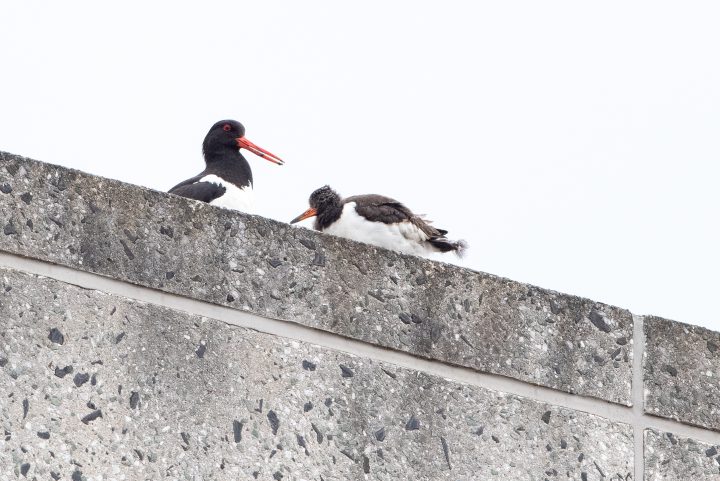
{"type": "Point", "coordinates": [638, 396]}
{"type": "Point", "coordinates": [290, 330]}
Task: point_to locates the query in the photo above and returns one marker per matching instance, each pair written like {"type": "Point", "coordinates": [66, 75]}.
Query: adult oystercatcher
{"type": "Point", "coordinates": [227, 179]}
{"type": "Point", "coordinates": [378, 220]}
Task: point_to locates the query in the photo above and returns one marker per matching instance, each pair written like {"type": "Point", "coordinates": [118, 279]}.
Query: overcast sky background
{"type": "Point", "coordinates": [574, 145]}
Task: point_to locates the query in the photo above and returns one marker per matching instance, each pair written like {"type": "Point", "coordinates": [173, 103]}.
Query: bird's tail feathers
{"type": "Point", "coordinates": [460, 248]}
{"type": "Point", "coordinates": [443, 244]}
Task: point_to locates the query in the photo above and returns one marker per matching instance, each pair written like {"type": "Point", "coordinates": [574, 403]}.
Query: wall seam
{"type": "Point", "coordinates": [638, 396]}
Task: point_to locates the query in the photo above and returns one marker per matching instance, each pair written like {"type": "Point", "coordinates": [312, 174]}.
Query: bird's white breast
{"type": "Point", "coordinates": [401, 236]}
{"type": "Point", "coordinates": [234, 197]}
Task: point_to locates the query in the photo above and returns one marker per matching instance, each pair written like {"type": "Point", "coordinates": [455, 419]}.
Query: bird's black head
{"type": "Point", "coordinates": [228, 136]}
{"type": "Point", "coordinates": [223, 136]}
{"type": "Point", "coordinates": [322, 197]}
{"type": "Point", "coordinates": [326, 204]}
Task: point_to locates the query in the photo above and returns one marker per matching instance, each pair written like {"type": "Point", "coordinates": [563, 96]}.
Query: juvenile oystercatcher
{"type": "Point", "coordinates": [378, 220]}
{"type": "Point", "coordinates": [227, 179]}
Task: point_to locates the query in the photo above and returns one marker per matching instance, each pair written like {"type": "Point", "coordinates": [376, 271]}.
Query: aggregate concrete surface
{"type": "Point", "coordinates": [682, 372]}
{"type": "Point", "coordinates": [269, 268]}
{"type": "Point", "coordinates": [96, 386]}
{"type": "Point", "coordinates": [672, 458]}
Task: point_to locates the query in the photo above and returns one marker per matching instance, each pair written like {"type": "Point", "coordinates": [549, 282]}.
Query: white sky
{"type": "Point", "coordinates": [575, 145]}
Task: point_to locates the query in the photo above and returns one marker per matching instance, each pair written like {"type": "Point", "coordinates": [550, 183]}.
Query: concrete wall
{"type": "Point", "coordinates": [145, 336]}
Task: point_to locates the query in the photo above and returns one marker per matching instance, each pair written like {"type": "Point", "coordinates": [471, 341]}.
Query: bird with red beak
{"type": "Point", "coordinates": [227, 180]}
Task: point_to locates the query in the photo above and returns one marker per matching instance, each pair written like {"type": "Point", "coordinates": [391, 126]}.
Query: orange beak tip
{"type": "Point", "coordinates": [244, 143]}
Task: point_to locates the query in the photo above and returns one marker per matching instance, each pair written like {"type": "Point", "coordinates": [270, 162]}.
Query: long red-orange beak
{"type": "Point", "coordinates": [308, 213]}
{"type": "Point", "coordinates": [244, 143]}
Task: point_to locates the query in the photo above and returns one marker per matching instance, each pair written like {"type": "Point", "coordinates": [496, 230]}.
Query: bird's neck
{"type": "Point", "coordinates": [328, 213]}
{"type": "Point", "coordinates": [229, 165]}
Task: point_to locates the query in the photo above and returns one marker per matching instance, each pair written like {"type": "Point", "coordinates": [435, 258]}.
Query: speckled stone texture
{"type": "Point", "coordinates": [96, 386]}
{"type": "Point", "coordinates": [427, 308]}
{"type": "Point", "coordinates": [682, 372]}
{"type": "Point", "coordinates": [670, 458]}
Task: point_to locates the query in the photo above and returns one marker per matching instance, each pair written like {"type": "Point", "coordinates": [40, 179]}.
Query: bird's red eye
{"type": "Point", "coordinates": [227, 128]}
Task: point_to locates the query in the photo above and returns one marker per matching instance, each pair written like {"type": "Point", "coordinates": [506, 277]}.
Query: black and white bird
{"type": "Point", "coordinates": [227, 180]}
{"type": "Point", "coordinates": [377, 220]}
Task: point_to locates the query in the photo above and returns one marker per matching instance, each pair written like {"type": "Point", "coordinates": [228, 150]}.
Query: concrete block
{"type": "Point", "coordinates": [96, 386]}
{"type": "Point", "coordinates": [682, 372]}
{"type": "Point", "coordinates": [426, 308]}
{"type": "Point", "coordinates": [672, 458]}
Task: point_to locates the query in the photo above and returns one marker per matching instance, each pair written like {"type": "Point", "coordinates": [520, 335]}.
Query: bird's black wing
{"type": "Point", "coordinates": [378, 208]}
{"type": "Point", "coordinates": [192, 189]}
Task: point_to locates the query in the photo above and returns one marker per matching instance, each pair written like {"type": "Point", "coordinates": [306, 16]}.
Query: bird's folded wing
{"type": "Point", "coordinates": [204, 191]}
{"type": "Point", "coordinates": [379, 208]}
